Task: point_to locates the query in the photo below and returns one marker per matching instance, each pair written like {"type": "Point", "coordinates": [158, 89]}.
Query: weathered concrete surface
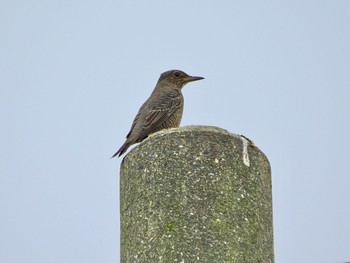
{"type": "Point", "coordinates": [196, 194]}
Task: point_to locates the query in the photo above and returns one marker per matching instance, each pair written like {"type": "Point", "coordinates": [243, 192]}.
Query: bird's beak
{"type": "Point", "coordinates": [193, 78]}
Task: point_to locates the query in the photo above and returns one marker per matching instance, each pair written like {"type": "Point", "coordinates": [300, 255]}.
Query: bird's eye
{"type": "Point", "coordinates": [177, 74]}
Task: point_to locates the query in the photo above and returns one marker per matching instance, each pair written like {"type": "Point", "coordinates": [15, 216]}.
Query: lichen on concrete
{"type": "Point", "coordinates": [188, 195]}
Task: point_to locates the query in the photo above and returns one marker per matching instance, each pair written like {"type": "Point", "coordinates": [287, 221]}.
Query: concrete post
{"type": "Point", "coordinates": [196, 194]}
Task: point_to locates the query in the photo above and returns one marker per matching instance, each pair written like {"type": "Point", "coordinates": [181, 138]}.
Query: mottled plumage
{"type": "Point", "coordinates": [162, 110]}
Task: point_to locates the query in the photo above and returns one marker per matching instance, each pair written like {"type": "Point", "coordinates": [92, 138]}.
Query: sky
{"type": "Point", "coordinates": [73, 74]}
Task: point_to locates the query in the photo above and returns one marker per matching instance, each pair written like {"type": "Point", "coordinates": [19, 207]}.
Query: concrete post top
{"type": "Point", "coordinates": [193, 129]}
{"type": "Point", "coordinates": [188, 135]}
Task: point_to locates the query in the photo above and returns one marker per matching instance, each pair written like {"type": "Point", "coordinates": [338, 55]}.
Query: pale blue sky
{"type": "Point", "coordinates": [74, 73]}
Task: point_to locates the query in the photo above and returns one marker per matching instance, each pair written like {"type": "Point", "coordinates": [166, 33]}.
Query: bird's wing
{"type": "Point", "coordinates": [162, 109]}
{"type": "Point", "coordinates": [134, 123]}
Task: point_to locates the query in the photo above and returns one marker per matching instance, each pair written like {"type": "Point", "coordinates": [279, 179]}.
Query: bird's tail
{"type": "Point", "coordinates": [122, 149]}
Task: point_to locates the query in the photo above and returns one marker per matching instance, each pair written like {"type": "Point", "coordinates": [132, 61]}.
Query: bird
{"type": "Point", "coordinates": [162, 110]}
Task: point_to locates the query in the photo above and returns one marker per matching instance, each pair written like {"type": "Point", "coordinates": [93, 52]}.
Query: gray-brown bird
{"type": "Point", "coordinates": [162, 110]}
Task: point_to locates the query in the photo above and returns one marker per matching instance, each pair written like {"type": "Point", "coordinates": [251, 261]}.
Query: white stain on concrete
{"type": "Point", "coordinates": [245, 151]}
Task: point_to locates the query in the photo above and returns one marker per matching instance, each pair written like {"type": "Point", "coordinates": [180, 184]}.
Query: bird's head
{"type": "Point", "coordinates": [177, 78]}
